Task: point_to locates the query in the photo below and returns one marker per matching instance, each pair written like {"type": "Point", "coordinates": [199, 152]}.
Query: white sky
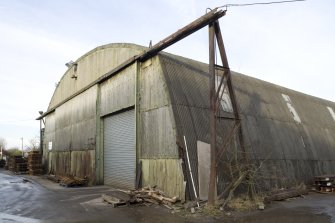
{"type": "Point", "coordinates": [287, 44]}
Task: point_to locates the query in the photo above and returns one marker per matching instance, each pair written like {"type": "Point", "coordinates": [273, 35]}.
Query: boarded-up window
{"type": "Point", "coordinates": [332, 113]}
{"type": "Point", "coordinates": [292, 110]}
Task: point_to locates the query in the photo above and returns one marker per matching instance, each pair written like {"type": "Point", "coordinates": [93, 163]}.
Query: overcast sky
{"type": "Point", "coordinates": [287, 44]}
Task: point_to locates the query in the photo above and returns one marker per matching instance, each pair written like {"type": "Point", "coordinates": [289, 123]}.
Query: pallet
{"type": "Point", "coordinates": [325, 183]}
{"type": "Point", "coordinates": [113, 201]}
{"type": "Point", "coordinates": [327, 189]}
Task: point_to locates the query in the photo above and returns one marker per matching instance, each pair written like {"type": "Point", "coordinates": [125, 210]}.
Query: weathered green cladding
{"type": "Point", "coordinates": [118, 92]}
{"type": "Point", "coordinates": [74, 129]}
{"type": "Point", "coordinates": [91, 66]}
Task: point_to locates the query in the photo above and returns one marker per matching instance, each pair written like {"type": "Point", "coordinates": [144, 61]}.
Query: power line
{"type": "Point", "coordinates": [15, 120]}
{"type": "Point", "coordinates": [259, 3]}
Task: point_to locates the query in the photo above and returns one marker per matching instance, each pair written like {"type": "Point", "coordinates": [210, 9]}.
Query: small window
{"type": "Point", "coordinates": [292, 110]}
{"type": "Point", "coordinates": [225, 100]}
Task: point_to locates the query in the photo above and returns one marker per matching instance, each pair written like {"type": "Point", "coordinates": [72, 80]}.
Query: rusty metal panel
{"type": "Point", "coordinates": [74, 163]}
{"type": "Point", "coordinates": [118, 92]}
{"type": "Point", "coordinates": [83, 164]}
{"type": "Point", "coordinates": [60, 163]}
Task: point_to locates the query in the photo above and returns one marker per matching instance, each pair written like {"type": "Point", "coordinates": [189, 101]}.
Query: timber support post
{"type": "Point", "coordinates": [212, 95]}
{"type": "Point", "coordinates": [215, 36]}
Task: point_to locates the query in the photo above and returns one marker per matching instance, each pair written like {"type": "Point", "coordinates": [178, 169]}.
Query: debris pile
{"type": "Point", "coordinates": [146, 195]}
{"type": "Point", "coordinates": [68, 181]}
{"type": "Point", "coordinates": [35, 163]}
{"type": "Point", "coordinates": [325, 183]}
{"type": "Point", "coordinates": [18, 165]}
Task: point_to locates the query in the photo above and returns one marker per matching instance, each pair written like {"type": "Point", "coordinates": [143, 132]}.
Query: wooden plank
{"type": "Point", "coordinates": [194, 26]}
{"type": "Point", "coordinates": [149, 200]}
{"type": "Point", "coordinates": [168, 41]}
{"type": "Point", "coordinates": [121, 195]}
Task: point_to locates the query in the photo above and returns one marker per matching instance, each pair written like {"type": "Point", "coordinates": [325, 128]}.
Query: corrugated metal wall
{"type": "Point", "coordinates": [188, 88]}
{"type": "Point", "coordinates": [120, 150]}
{"type": "Point", "coordinates": [74, 121]}
{"type": "Point", "coordinates": [172, 102]}
{"type": "Point", "coordinates": [293, 152]}
{"type": "Point", "coordinates": [71, 132]}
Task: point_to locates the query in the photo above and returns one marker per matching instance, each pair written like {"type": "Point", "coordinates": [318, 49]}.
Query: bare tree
{"type": "Point", "coordinates": [3, 143]}
{"type": "Point", "coordinates": [34, 144]}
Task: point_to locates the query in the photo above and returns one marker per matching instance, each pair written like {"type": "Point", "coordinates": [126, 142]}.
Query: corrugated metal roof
{"type": "Point", "coordinates": [189, 91]}
{"type": "Point", "coordinates": [292, 151]}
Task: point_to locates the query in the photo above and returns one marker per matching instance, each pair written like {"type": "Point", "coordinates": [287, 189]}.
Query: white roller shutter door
{"type": "Point", "coordinates": [120, 150]}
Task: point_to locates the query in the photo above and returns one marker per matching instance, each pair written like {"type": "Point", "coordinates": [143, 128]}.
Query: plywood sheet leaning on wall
{"type": "Point", "coordinates": [167, 174]}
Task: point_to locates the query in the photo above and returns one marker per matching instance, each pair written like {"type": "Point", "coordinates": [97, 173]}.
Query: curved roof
{"type": "Point", "coordinates": [90, 67]}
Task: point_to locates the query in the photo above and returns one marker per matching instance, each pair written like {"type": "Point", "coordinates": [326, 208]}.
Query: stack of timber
{"type": "Point", "coordinates": [18, 165]}
{"type": "Point", "coordinates": [146, 195]}
{"type": "Point", "coordinates": [72, 181]}
{"type": "Point", "coordinates": [35, 163]}
{"type": "Point", "coordinates": [325, 183]}
{"type": "Point", "coordinates": [53, 178]}
{"type": "Point", "coordinates": [68, 181]}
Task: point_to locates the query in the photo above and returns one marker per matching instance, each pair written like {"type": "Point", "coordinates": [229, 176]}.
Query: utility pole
{"type": "Point", "coordinates": [22, 146]}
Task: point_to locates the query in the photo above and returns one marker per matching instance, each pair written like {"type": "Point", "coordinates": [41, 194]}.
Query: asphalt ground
{"type": "Point", "coordinates": [32, 199]}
